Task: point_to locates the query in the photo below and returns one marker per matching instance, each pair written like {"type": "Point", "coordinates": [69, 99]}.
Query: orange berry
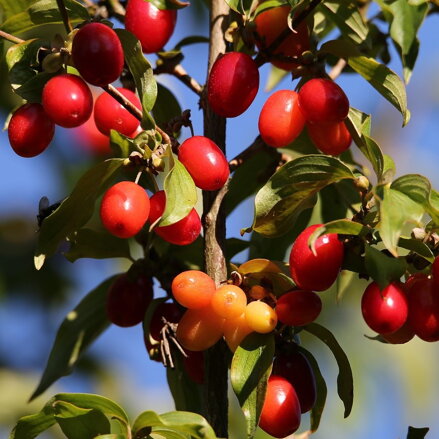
{"type": "Point", "coordinates": [260, 317]}
{"type": "Point", "coordinates": [258, 292]}
{"type": "Point", "coordinates": [193, 289]}
{"type": "Point", "coordinates": [229, 301]}
{"type": "Point", "coordinates": [235, 330]}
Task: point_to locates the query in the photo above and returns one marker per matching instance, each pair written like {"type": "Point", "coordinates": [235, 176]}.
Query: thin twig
{"type": "Point", "coordinates": [64, 15]}
{"type": "Point", "coordinates": [337, 69]}
{"type": "Point", "coordinates": [256, 146]}
{"type": "Point", "coordinates": [11, 38]}
{"type": "Point", "coordinates": [180, 73]}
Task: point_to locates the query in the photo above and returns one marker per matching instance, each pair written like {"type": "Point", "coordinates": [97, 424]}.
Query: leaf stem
{"type": "Point", "coordinates": [64, 15]}
{"type": "Point", "coordinates": [11, 38]}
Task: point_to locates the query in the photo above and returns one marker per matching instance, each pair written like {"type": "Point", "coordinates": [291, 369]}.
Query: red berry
{"type": "Point", "coordinates": [110, 115]}
{"type": "Point", "coordinates": [182, 232]}
{"type": "Point", "coordinates": [205, 162]}
{"type": "Point", "coordinates": [170, 311]}
{"type": "Point", "coordinates": [281, 119]}
{"type": "Point", "coordinates": [316, 272]}
{"type": "Point", "coordinates": [296, 369]}
{"type": "Point", "coordinates": [233, 84]}
{"type": "Point", "coordinates": [152, 26]}
{"type": "Point", "coordinates": [30, 130]}
{"type": "Point", "coordinates": [384, 311]}
{"type": "Point", "coordinates": [322, 100]}
{"type": "Point", "coordinates": [67, 100]}
{"type": "Point", "coordinates": [331, 138]}
{"type": "Point", "coordinates": [280, 415]}
{"type": "Point", "coordinates": [128, 299]}
{"type": "Point", "coordinates": [97, 54]}
{"type": "Point", "coordinates": [298, 308]}
{"type": "Point", "coordinates": [270, 24]}
{"type": "Point", "coordinates": [435, 270]}
{"type": "Point", "coordinates": [91, 139]}
{"type": "Point", "coordinates": [124, 209]}
{"type": "Point", "coordinates": [423, 314]}
{"type": "Point", "coordinates": [194, 366]}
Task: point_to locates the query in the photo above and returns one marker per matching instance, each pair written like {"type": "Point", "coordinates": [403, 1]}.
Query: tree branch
{"type": "Point", "coordinates": [180, 73]}
{"type": "Point", "coordinates": [11, 38]}
{"type": "Point", "coordinates": [64, 15]}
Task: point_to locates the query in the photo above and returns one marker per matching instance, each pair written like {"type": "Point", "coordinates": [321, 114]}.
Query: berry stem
{"type": "Point", "coordinates": [180, 73]}
{"type": "Point", "coordinates": [64, 15]}
{"type": "Point", "coordinates": [11, 38]}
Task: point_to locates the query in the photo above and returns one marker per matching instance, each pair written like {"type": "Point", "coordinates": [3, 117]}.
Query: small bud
{"type": "Point", "coordinates": [362, 183]}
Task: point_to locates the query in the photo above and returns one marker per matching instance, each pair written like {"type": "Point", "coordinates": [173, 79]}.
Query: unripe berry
{"type": "Point", "coordinates": [281, 119]}
{"type": "Point", "coordinates": [322, 100]}
{"type": "Point", "coordinates": [235, 330]}
{"type": "Point", "coordinates": [30, 130]}
{"type": "Point", "coordinates": [193, 289]}
{"type": "Point", "coordinates": [229, 301]}
{"type": "Point", "coordinates": [233, 84]}
{"type": "Point", "coordinates": [152, 26]}
{"type": "Point", "coordinates": [316, 272]}
{"type": "Point", "coordinates": [97, 54]}
{"type": "Point", "coordinates": [67, 100]}
{"type": "Point", "coordinates": [182, 232]}
{"type": "Point", "coordinates": [124, 209]}
{"type": "Point", "coordinates": [205, 162]}
{"type": "Point", "coordinates": [260, 317]}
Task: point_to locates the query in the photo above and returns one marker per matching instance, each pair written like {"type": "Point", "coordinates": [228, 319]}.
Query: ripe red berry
{"type": "Point", "coordinates": [423, 314]}
{"type": "Point", "coordinates": [67, 100]}
{"type": "Point", "coordinates": [124, 209]}
{"type": "Point", "coordinates": [233, 84]}
{"type": "Point", "coordinates": [270, 24]}
{"type": "Point", "coordinates": [168, 310]}
{"type": "Point", "coordinates": [384, 311]}
{"type": "Point", "coordinates": [110, 115]}
{"type": "Point", "coordinates": [194, 366]}
{"type": "Point", "coordinates": [205, 162]}
{"type": "Point", "coordinates": [435, 270]}
{"type": "Point", "coordinates": [296, 369]}
{"type": "Point", "coordinates": [298, 308]}
{"type": "Point", "coordinates": [97, 54]}
{"type": "Point", "coordinates": [182, 232]}
{"type": "Point", "coordinates": [128, 299]}
{"type": "Point", "coordinates": [331, 138]}
{"type": "Point", "coordinates": [280, 415]}
{"type": "Point", "coordinates": [322, 100]}
{"type": "Point", "coordinates": [30, 130]}
{"type": "Point", "coordinates": [142, 17]}
{"type": "Point", "coordinates": [281, 119]}
{"type": "Point", "coordinates": [316, 272]}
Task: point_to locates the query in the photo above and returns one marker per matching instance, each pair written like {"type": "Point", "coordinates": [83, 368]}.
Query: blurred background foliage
{"type": "Point", "coordinates": [395, 386]}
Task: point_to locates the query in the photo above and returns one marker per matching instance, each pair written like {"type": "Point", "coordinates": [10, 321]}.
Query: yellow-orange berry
{"type": "Point", "coordinates": [193, 289]}
{"type": "Point", "coordinates": [229, 301]}
{"type": "Point", "coordinates": [260, 317]}
{"type": "Point", "coordinates": [235, 330]}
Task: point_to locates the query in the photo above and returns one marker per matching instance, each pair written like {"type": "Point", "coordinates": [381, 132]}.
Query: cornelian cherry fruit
{"type": "Point", "coordinates": [124, 209]}
{"type": "Point", "coordinates": [298, 308]}
{"type": "Point", "coordinates": [30, 130]}
{"type": "Point", "coordinates": [316, 272]}
{"type": "Point", "coordinates": [182, 232]}
{"type": "Point", "coordinates": [229, 301]}
{"type": "Point", "coordinates": [110, 115]}
{"type": "Point", "coordinates": [280, 415]}
{"type": "Point", "coordinates": [322, 100]}
{"type": "Point", "coordinates": [260, 317]}
{"type": "Point", "coordinates": [67, 100]}
{"type": "Point", "coordinates": [142, 17]}
{"type": "Point", "coordinates": [97, 54]}
{"type": "Point", "coordinates": [331, 138]}
{"type": "Point", "coordinates": [233, 84]}
{"type": "Point", "coordinates": [128, 300]}
{"type": "Point", "coordinates": [270, 24]}
{"type": "Point", "coordinates": [384, 311]}
{"type": "Point", "coordinates": [235, 330]}
{"type": "Point", "coordinates": [281, 119]}
{"type": "Point", "coordinates": [193, 289]}
{"type": "Point", "coordinates": [205, 162]}
{"type": "Point", "coordinates": [295, 367]}
{"type": "Point", "coordinates": [435, 270]}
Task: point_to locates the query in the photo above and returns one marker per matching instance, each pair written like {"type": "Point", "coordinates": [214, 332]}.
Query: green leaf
{"type": "Point", "coordinates": [417, 433]}
{"type": "Point", "coordinates": [43, 12]}
{"type": "Point", "coordinates": [121, 145]}
{"type": "Point", "coordinates": [384, 80]}
{"type": "Point", "coordinates": [78, 330]}
{"type": "Point", "coordinates": [8, 8]}
{"type": "Point", "coordinates": [111, 436]}
{"type": "Point", "coordinates": [75, 210]}
{"type": "Point", "coordinates": [22, 61]}
{"type": "Point", "coordinates": [345, 384]}
{"type": "Point", "coordinates": [383, 269]}
{"type": "Point", "coordinates": [235, 246]}
{"type": "Point", "coordinates": [292, 189]}
{"type": "Point", "coordinates": [169, 4]}
{"type": "Point", "coordinates": [322, 391]}
{"type": "Point", "coordinates": [242, 7]}
{"type": "Point", "coordinates": [348, 19]}
{"type": "Point", "coordinates": [166, 106]}
{"type": "Point", "coordinates": [249, 372]}
{"type": "Point", "coordinates": [182, 422]}
{"type": "Point", "coordinates": [275, 76]}
{"type": "Point", "coordinates": [396, 210]}
{"type": "Point", "coordinates": [188, 41]}
{"type": "Point", "coordinates": [142, 72]}
{"type": "Point", "coordinates": [181, 194]}
{"type": "Point", "coordinates": [416, 246]}
{"type": "Point", "coordinates": [269, 4]}
{"type": "Point", "coordinates": [29, 427]}
{"type": "Point", "coordinates": [97, 244]}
